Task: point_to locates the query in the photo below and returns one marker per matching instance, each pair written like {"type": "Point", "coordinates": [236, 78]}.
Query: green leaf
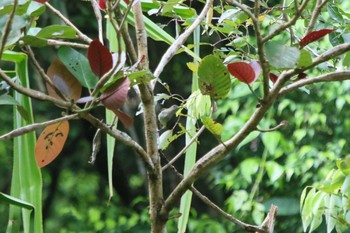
{"type": "Point", "coordinates": [78, 65]}
{"type": "Point", "coordinates": [8, 100]}
{"type": "Point", "coordinates": [18, 24]}
{"type": "Point", "coordinates": [57, 32]}
{"type": "Point", "coordinates": [305, 59]}
{"type": "Point", "coordinates": [271, 141]}
{"type": "Point", "coordinates": [214, 127]}
{"type": "Point", "coordinates": [274, 170]}
{"type": "Point", "coordinates": [346, 60]}
{"type": "Point", "coordinates": [249, 167]}
{"type": "Point", "coordinates": [214, 78]}
{"type": "Point", "coordinates": [138, 77]}
{"type": "Point", "coordinates": [35, 9]}
{"type": "Point", "coordinates": [15, 201]}
{"type": "Point", "coordinates": [6, 7]}
{"type": "Point", "coordinates": [281, 56]}
{"type": "Point", "coordinates": [286, 206]}
{"type": "Point", "coordinates": [248, 139]}
{"type": "Point", "coordinates": [336, 38]}
{"type": "Point", "coordinates": [334, 13]}
{"type": "Point", "coordinates": [164, 139]}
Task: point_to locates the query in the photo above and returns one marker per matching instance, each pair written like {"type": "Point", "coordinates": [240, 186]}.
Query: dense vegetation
{"type": "Point", "coordinates": [257, 91]}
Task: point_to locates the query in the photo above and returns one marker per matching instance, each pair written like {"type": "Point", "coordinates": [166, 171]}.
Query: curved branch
{"type": "Point", "coordinates": [181, 39]}
{"type": "Point", "coordinates": [330, 77]}
{"type": "Point", "coordinates": [315, 13]}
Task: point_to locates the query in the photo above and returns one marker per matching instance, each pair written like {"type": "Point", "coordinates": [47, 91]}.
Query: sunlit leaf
{"type": "Point", "coordinates": [50, 143]}
{"type": "Point", "coordinates": [100, 58]}
{"type": "Point", "coordinates": [281, 56]}
{"type": "Point", "coordinates": [213, 78]}
{"type": "Point", "coordinates": [213, 126]}
{"type": "Point", "coordinates": [64, 81]}
{"type": "Point", "coordinates": [305, 59]}
{"type": "Point", "coordinates": [78, 65]}
{"type": "Point", "coordinates": [313, 36]}
{"type": "Point", "coordinates": [274, 170]}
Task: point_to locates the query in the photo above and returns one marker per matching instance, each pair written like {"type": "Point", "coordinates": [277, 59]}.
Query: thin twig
{"type": "Point", "coordinates": [29, 128]}
{"type": "Point", "coordinates": [277, 31]}
{"type": "Point", "coordinates": [176, 157]}
{"type": "Point", "coordinates": [181, 40]}
{"type": "Point", "coordinates": [98, 16]}
{"type": "Point", "coordinates": [52, 42]}
{"type": "Point", "coordinates": [81, 35]}
{"type": "Point", "coordinates": [277, 127]}
{"type": "Point", "coordinates": [330, 77]}
{"type": "Point", "coordinates": [216, 208]}
{"type": "Point", "coordinates": [7, 29]}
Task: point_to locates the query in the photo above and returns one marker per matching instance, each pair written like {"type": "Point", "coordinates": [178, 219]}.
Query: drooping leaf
{"type": "Point", "coordinates": [213, 78]}
{"type": "Point", "coordinates": [64, 81]}
{"type": "Point", "coordinates": [78, 65]}
{"type": "Point", "coordinates": [281, 56]}
{"type": "Point", "coordinates": [213, 126]}
{"type": "Point", "coordinates": [242, 71]}
{"type": "Point", "coordinates": [100, 59]}
{"type": "Point", "coordinates": [50, 143]}
{"type": "Point", "coordinates": [114, 98]}
{"type": "Point", "coordinates": [313, 36]}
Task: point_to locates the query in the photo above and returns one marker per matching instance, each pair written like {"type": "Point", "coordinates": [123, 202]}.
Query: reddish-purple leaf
{"type": "Point", "coordinates": [273, 77]}
{"type": "Point", "coordinates": [302, 76]}
{"type": "Point", "coordinates": [42, 1]}
{"type": "Point", "coordinates": [100, 59]}
{"type": "Point", "coordinates": [243, 71]}
{"type": "Point", "coordinates": [114, 98]}
{"type": "Point", "coordinates": [313, 36]}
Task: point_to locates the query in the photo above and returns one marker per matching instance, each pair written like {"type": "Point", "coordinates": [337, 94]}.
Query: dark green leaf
{"type": "Point", "coordinates": [334, 13]}
{"type": "Point", "coordinates": [281, 56]}
{"type": "Point", "coordinates": [15, 201]}
{"type": "Point", "coordinates": [78, 65]}
{"type": "Point", "coordinates": [214, 78]}
{"type": "Point", "coordinates": [336, 38]}
{"type": "Point", "coordinates": [34, 41]}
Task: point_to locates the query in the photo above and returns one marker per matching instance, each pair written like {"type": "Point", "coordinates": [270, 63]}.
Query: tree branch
{"type": "Point", "coordinates": [220, 151]}
{"type": "Point", "coordinates": [32, 127]}
{"type": "Point", "coordinates": [330, 77]}
{"type": "Point", "coordinates": [315, 13]}
{"type": "Point", "coordinates": [181, 39]}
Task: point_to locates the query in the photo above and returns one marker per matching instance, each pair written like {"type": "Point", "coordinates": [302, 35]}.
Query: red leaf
{"type": "Point", "coordinates": [302, 75]}
{"type": "Point", "coordinates": [100, 59]}
{"type": "Point", "coordinates": [273, 77]}
{"type": "Point", "coordinates": [42, 1]}
{"type": "Point", "coordinates": [243, 71]}
{"type": "Point", "coordinates": [102, 4]}
{"type": "Point", "coordinates": [124, 118]}
{"type": "Point", "coordinates": [50, 143]}
{"type": "Point", "coordinates": [313, 36]}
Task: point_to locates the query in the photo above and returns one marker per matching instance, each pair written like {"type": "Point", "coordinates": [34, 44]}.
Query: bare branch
{"type": "Point", "coordinates": [33, 93]}
{"type": "Point", "coordinates": [29, 128]}
{"type": "Point", "coordinates": [277, 127]}
{"type": "Point", "coordinates": [98, 16]}
{"type": "Point", "coordinates": [181, 39]}
{"type": "Point", "coordinates": [68, 22]}
{"type": "Point", "coordinates": [330, 77]}
{"type": "Point", "coordinates": [176, 157]}
{"type": "Point", "coordinates": [66, 43]}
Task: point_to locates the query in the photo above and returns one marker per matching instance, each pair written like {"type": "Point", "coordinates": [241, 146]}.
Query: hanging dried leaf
{"type": "Point", "coordinates": [50, 143]}
{"type": "Point", "coordinates": [242, 71]}
{"type": "Point", "coordinates": [313, 36]}
{"type": "Point", "coordinates": [100, 59]}
{"type": "Point", "coordinates": [64, 81]}
{"type": "Point", "coordinates": [114, 98]}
